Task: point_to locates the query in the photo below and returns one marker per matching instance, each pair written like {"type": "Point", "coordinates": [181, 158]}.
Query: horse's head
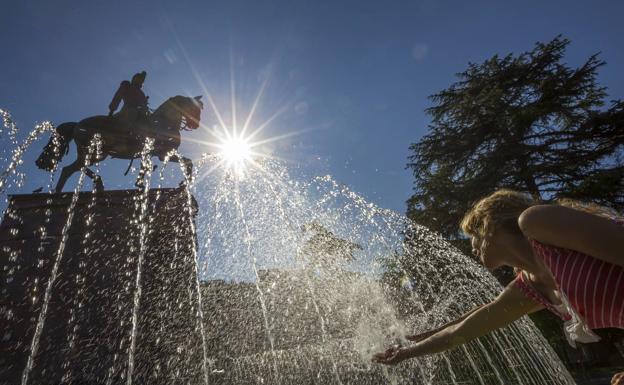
{"type": "Point", "coordinates": [187, 110]}
{"type": "Point", "coordinates": [191, 111]}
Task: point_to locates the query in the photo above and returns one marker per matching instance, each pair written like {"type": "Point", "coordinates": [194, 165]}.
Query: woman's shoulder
{"type": "Point", "coordinates": [555, 227]}
{"type": "Point", "coordinates": [538, 216]}
{"type": "Point", "coordinates": [541, 222]}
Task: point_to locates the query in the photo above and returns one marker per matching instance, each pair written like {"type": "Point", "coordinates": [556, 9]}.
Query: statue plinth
{"type": "Point", "coordinates": [87, 328]}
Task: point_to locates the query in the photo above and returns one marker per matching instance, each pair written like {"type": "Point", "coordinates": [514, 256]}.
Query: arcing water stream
{"type": "Point", "coordinates": [275, 280]}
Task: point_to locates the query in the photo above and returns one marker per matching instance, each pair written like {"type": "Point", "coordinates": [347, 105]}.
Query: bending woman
{"type": "Point", "coordinates": [569, 259]}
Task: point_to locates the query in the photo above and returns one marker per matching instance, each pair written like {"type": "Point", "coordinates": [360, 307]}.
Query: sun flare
{"type": "Point", "coordinates": [240, 147]}
{"type": "Point", "coordinates": [236, 151]}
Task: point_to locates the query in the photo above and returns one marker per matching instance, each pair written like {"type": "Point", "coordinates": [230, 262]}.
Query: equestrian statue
{"type": "Point", "coordinates": [123, 135]}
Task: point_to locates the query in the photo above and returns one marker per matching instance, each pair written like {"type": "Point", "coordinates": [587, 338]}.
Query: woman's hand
{"type": "Point", "coordinates": [391, 356]}
{"type": "Point", "coordinates": [618, 379]}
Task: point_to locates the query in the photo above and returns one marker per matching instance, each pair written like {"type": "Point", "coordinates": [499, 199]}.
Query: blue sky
{"type": "Point", "coordinates": [353, 77]}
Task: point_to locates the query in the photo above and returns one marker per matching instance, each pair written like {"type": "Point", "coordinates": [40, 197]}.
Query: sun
{"type": "Point", "coordinates": [236, 151]}
{"type": "Point", "coordinates": [239, 146]}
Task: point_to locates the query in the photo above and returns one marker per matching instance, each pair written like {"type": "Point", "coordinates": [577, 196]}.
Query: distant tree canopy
{"type": "Point", "coordinates": [324, 248]}
{"type": "Point", "coordinates": [528, 122]}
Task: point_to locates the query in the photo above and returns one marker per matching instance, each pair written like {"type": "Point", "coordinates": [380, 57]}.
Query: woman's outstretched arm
{"type": "Point", "coordinates": [427, 334]}
{"type": "Point", "coordinates": [510, 305]}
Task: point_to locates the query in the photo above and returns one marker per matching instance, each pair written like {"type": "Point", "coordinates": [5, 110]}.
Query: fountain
{"type": "Point", "coordinates": [252, 277]}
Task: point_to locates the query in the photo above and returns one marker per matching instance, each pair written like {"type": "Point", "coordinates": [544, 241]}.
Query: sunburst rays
{"type": "Point", "coordinates": [236, 147]}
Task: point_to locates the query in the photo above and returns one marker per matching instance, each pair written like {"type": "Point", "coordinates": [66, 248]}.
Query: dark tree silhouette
{"type": "Point", "coordinates": [528, 122]}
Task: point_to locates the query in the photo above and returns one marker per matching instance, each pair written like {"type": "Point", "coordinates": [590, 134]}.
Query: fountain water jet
{"type": "Point", "coordinates": [188, 180]}
{"type": "Point", "coordinates": [309, 284]}
{"type": "Point", "coordinates": [18, 152]}
{"type": "Point", "coordinates": [59, 255]}
{"type": "Point", "coordinates": [142, 203]}
{"type": "Point", "coordinates": [73, 325]}
{"type": "Point", "coordinates": [340, 209]}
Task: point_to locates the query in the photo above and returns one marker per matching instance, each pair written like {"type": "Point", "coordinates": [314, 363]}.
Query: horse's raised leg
{"type": "Point", "coordinates": [97, 180]}
{"type": "Point", "coordinates": [69, 170]}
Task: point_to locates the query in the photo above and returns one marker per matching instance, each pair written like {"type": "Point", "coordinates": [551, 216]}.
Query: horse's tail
{"type": "Point", "coordinates": [57, 147]}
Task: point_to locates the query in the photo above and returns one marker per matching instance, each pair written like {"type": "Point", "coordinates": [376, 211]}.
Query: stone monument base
{"type": "Point", "coordinates": [86, 332]}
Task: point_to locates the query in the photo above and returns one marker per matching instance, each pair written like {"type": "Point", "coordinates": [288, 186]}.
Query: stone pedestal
{"type": "Point", "coordinates": [86, 332]}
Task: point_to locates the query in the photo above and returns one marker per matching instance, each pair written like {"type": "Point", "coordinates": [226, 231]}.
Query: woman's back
{"type": "Point", "coordinates": [594, 288]}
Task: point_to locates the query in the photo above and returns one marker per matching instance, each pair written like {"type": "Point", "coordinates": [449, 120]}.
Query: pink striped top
{"type": "Point", "coordinates": [594, 288]}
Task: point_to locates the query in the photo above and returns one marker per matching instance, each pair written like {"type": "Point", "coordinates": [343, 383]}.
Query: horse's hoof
{"type": "Point", "coordinates": [99, 186]}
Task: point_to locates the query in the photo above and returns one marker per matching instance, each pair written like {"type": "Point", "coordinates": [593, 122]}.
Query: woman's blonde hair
{"type": "Point", "coordinates": [496, 210]}
{"type": "Point", "coordinates": [503, 207]}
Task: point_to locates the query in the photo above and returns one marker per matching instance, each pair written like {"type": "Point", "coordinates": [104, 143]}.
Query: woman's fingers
{"type": "Point", "coordinates": [385, 354]}
{"type": "Point", "coordinates": [388, 357]}
{"type": "Point", "coordinates": [618, 379]}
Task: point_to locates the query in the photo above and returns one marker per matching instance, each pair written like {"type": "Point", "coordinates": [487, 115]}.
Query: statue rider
{"type": "Point", "coordinates": [134, 111]}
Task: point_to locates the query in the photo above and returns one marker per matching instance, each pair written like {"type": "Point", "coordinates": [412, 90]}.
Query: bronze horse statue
{"type": "Point", "coordinates": [163, 126]}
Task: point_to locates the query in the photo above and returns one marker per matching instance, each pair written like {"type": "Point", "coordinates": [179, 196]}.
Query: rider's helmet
{"type": "Point", "coordinates": [139, 78]}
